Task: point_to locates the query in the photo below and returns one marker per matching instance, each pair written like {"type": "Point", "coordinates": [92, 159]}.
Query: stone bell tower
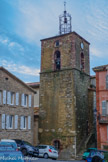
{"type": "Point", "coordinates": [64, 81]}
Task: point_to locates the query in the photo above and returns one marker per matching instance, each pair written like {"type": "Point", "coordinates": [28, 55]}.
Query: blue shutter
{"type": "Point", "coordinates": [29, 122]}
{"type": "Point", "coordinates": [8, 98]}
{"type": "Point", "coordinates": [30, 100]}
{"type": "Point", "coordinates": [16, 121]}
{"type": "Point", "coordinates": [17, 98]}
{"type": "Point", "coordinates": [103, 108]}
{"type": "Point", "coordinates": [22, 100]}
{"type": "Point", "coordinates": [4, 97]}
{"type": "Point", "coordinates": [7, 121]}
{"type": "Point", "coordinates": [3, 121]}
{"type": "Point", "coordinates": [21, 122]}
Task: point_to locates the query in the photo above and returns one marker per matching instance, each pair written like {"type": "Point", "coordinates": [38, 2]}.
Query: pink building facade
{"type": "Point", "coordinates": [102, 106]}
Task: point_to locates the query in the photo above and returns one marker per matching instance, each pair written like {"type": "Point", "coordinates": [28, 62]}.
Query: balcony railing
{"type": "Point", "coordinates": [103, 119]}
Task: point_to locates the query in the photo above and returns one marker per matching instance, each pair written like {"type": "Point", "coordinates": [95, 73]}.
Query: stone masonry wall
{"type": "Point", "coordinates": [81, 84]}
{"type": "Point", "coordinates": [57, 116]}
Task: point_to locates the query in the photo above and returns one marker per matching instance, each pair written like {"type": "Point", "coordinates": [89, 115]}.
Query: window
{"type": "Point", "coordinates": [23, 122]}
{"type": "Point", "coordinates": [10, 98]}
{"type": "Point", "coordinates": [107, 81]}
{"type": "Point", "coordinates": [82, 61]}
{"type": "Point", "coordinates": [24, 100]}
{"type": "Point", "coordinates": [104, 108]}
{"type": "Point", "coordinates": [57, 43]}
{"type": "Point", "coordinates": [9, 121]}
{"type": "Point", "coordinates": [57, 60]}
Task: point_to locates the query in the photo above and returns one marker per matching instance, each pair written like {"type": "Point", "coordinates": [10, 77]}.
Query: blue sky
{"type": "Point", "coordinates": [24, 22]}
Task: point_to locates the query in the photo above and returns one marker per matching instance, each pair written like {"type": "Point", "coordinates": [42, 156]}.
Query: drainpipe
{"type": "Point", "coordinates": [75, 146]}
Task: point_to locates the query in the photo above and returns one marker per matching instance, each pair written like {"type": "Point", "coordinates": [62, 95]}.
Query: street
{"type": "Point", "coordinates": [50, 160]}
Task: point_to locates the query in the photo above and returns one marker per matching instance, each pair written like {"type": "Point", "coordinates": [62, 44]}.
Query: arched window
{"type": "Point", "coordinates": [82, 61]}
{"type": "Point", "coordinates": [107, 81]}
{"type": "Point", "coordinates": [57, 60]}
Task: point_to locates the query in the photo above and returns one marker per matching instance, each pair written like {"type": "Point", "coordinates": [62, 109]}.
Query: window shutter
{"type": "Point", "coordinates": [103, 108]}
{"type": "Point", "coordinates": [22, 100]}
{"type": "Point", "coordinates": [22, 122]}
{"type": "Point", "coordinates": [107, 81]}
{"type": "Point", "coordinates": [16, 121]}
{"type": "Point", "coordinates": [29, 100]}
{"type": "Point", "coordinates": [3, 121]}
{"type": "Point", "coordinates": [0, 97]}
{"type": "Point", "coordinates": [7, 121]}
{"type": "Point", "coordinates": [17, 98]}
{"type": "Point", "coordinates": [29, 122]}
{"type": "Point", "coordinates": [4, 97]}
{"type": "Point", "coordinates": [8, 98]}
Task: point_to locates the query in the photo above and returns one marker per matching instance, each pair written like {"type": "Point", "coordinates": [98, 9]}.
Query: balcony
{"type": "Point", "coordinates": [103, 119]}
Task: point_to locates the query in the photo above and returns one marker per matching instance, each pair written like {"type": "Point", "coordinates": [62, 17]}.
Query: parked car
{"type": "Point", "coordinates": [87, 152]}
{"type": "Point", "coordinates": [47, 151]}
{"type": "Point", "coordinates": [26, 148]}
{"type": "Point", "coordinates": [8, 152]}
{"type": "Point", "coordinates": [11, 142]}
{"type": "Point", "coordinates": [96, 156]}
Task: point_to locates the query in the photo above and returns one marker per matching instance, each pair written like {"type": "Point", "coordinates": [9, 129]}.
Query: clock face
{"type": "Point", "coordinates": [82, 46]}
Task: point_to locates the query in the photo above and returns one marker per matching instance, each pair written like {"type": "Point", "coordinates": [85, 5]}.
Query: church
{"type": "Point", "coordinates": [64, 82]}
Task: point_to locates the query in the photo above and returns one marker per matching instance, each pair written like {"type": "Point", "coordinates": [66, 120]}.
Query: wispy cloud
{"type": "Point", "coordinates": [37, 21]}
{"type": "Point", "coordinates": [13, 46]}
{"type": "Point", "coordinates": [22, 69]}
{"type": "Point", "coordinates": [95, 52]}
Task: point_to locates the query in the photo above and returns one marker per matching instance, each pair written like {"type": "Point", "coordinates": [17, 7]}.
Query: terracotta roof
{"type": "Point", "coordinates": [66, 34]}
{"type": "Point", "coordinates": [100, 68]}
{"type": "Point", "coordinates": [33, 84]}
{"type": "Point", "coordinates": [93, 76]}
{"type": "Point", "coordinates": [13, 76]}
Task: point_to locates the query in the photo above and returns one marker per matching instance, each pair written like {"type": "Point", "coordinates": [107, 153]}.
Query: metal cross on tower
{"type": "Point", "coordinates": [65, 22]}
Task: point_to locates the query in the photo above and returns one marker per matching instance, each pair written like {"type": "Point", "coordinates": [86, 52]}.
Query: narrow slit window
{"type": "Point", "coordinates": [57, 60]}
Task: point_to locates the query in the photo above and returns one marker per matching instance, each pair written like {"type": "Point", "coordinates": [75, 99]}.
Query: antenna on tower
{"type": "Point", "coordinates": [65, 22]}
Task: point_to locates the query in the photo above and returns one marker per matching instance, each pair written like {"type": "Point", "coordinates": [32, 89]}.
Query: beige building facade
{"type": "Point", "coordinates": [16, 108]}
{"type": "Point", "coordinates": [35, 86]}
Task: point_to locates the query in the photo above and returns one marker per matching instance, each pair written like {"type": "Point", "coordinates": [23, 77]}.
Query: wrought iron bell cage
{"type": "Point", "coordinates": [65, 23]}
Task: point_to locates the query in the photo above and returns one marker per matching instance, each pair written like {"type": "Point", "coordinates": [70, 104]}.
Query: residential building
{"type": "Point", "coordinates": [35, 86]}
{"type": "Point", "coordinates": [102, 105]}
{"type": "Point", "coordinates": [16, 108]}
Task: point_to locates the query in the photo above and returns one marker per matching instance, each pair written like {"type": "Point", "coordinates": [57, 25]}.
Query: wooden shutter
{"type": "Point", "coordinates": [22, 100]}
{"type": "Point", "coordinates": [8, 98]}
{"type": "Point", "coordinates": [17, 98]}
{"type": "Point", "coordinates": [7, 121]}
{"type": "Point", "coordinates": [4, 97]}
{"type": "Point", "coordinates": [16, 121]}
{"type": "Point", "coordinates": [22, 122]}
{"type": "Point", "coordinates": [30, 100]}
{"type": "Point", "coordinates": [3, 121]}
{"type": "Point", "coordinates": [29, 122]}
{"type": "Point", "coordinates": [103, 108]}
